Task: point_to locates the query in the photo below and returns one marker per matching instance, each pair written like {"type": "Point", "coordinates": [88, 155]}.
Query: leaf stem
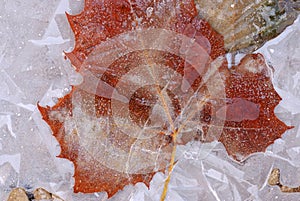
{"type": "Point", "coordinates": [170, 169]}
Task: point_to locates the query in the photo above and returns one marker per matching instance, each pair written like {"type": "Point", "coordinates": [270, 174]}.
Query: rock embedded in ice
{"type": "Point", "coordinates": [18, 194]}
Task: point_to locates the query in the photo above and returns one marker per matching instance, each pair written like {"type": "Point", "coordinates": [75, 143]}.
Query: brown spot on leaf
{"type": "Point", "coordinates": [239, 109]}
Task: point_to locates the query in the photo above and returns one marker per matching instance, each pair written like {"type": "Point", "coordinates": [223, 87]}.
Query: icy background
{"type": "Point", "coordinates": [33, 35]}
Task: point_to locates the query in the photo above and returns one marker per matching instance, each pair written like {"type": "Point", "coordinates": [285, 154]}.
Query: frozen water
{"type": "Point", "coordinates": [33, 36]}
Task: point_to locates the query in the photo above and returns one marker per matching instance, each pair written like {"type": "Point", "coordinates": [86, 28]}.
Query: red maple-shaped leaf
{"type": "Point", "coordinates": [250, 123]}
{"type": "Point", "coordinates": [154, 76]}
{"type": "Point", "coordinates": [142, 64]}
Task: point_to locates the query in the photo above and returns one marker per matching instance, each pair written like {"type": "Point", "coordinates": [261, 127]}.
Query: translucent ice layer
{"type": "Point", "coordinates": [32, 68]}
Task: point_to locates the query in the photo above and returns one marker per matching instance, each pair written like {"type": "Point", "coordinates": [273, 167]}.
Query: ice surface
{"type": "Point", "coordinates": [34, 34]}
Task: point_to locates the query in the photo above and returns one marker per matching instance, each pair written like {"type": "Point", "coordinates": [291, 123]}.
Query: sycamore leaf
{"type": "Point", "coordinates": [250, 123]}
{"type": "Point", "coordinates": [142, 64]}
{"type": "Point", "coordinates": [154, 76]}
